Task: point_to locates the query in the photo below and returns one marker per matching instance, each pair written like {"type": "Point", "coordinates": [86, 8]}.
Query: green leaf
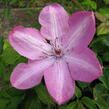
{"type": "Point", "coordinates": [4, 94]}
{"type": "Point", "coordinates": [78, 92]}
{"type": "Point", "coordinates": [101, 96]}
{"type": "Point", "coordinates": [93, 4]}
{"type": "Point", "coordinates": [82, 84]}
{"type": "Point", "coordinates": [106, 56]}
{"type": "Point", "coordinates": [6, 44]}
{"type": "Point", "coordinates": [11, 100]}
{"type": "Point", "coordinates": [105, 79]}
{"type": "Point", "coordinates": [100, 17]}
{"type": "Point", "coordinates": [13, 2]}
{"type": "Point", "coordinates": [10, 56]}
{"type": "Point", "coordinates": [105, 39]}
{"type": "Point", "coordinates": [89, 103]}
{"type": "Point", "coordinates": [98, 46]}
{"type": "Point", "coordinates": [104, 11]}
{"type": "Point", "coordinates": [32, 102]}
{"type": "Point", "coordinates": [75, 105]}
{"type": "Point", "coordinates": [3, 103]}
{"type": "Point", "coordinates": [14, 102]}
{"type": "Point", "coordinates": [103, 28]}
{"type": "Point", "coordinates": [99, 90]}
{"type": "Point", "coordinates": [101, 103]}
{"type": "Point", "coordinates": [37, 26]}
{"type": "Point", "coordinates": [90, 3]}
{"type": "Point", "coordinates": [100, 60]}
{"type": "Point", "coordinates": [21, 3]}
{"type": "Point", "coordinates": [43, 95]}
{"type": "Point", "coordinates": [12, 92]}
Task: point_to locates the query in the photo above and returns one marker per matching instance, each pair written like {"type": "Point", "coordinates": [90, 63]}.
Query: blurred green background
{"type": "Point", "coordinates": [25, 12]}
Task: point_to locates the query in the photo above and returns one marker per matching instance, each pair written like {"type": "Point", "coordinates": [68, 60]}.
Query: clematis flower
{"type": "Point", "coordinates": [59, 52]}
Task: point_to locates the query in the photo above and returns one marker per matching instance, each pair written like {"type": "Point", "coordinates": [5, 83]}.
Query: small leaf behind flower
{"type": "Point", "coordinates": [43, 95]}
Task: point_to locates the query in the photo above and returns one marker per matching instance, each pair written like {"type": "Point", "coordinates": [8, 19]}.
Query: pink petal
{"type": "Point", "coordinates": [54, 21]}
{"type": "Point", "coordinates": [28, 42]}
{"type": "Point", "coordinates": [82, 29]}
{"type": "Point", "coordinates": [59, 82]}
{"type": "Point", "coordinates": [26, 76]}
{"type": "Point", "coordinates": [83, 64]}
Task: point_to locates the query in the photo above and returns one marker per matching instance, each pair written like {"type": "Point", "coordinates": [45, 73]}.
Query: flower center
{"type": "Point", "coordinates": [58, 52]}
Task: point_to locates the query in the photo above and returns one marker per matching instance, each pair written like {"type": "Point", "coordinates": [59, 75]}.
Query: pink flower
{"type": "Point", "coordinates": [59, 52]}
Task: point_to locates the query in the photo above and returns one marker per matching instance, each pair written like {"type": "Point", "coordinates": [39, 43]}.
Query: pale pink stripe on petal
{"type": "Point", "coordinates": [26, 76]}
{"type": "Point", "coordinates": [54, 21]}
{"type": "Point", "coordinates": [59, 82]}
{"type": "Point", "coordinates": [82, 29]}
{"type": "Point", "coordinates": [83, 65]}
{"type": "Point", "coordinates": [28, 42]}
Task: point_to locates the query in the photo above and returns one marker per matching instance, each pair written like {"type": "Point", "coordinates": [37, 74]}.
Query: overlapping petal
{"type": "Point", "coordinates": [59, 82]}
{"type": "Point", "coordinates": [82, 29]}
{"type": "Point", "coordinates": [83, 64]}
{"type": "Point", "coordinates": [25, 76]}
{"type": "Point", "coordinates": [54, 21]}
{"type": "Point", "coordinates": [28, 42]}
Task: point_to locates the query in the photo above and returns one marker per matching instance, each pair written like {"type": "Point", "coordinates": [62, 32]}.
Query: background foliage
{"type": "Point", "coordinates": [88, 96]}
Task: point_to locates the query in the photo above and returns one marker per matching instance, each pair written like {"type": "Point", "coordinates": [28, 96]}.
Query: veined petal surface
{"type": "Point", "coordinates": [83, 64]}
{"type": "Point", "coordinates": [54, 21]}
{"type": "Point", "coordinates": [81, 30]}
{"type": "Point", "coordinates": [28, 42]}
{"type": "Point", "coordinates": [26, 76]}
{"type": "Point", "coordinates": [59, 82]}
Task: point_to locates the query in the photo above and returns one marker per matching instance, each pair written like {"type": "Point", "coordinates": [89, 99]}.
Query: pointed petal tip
{"type": "Point", "coordinates": [26, 76]}
{"type": "Point", "coordinates": [55, 79]}
{"type": "Point", "coordinates": [27, 41]}
{"type": "Point", "coordinates": [60, 102]}
{"type": "Point", "coordinates": [20, 87]}
{"type": "Point", "coordinates": [100, 72]}
{"type": "Point", "coordinates": [16, 28]}
{"type": "Point", "coordinates": [14, 85]}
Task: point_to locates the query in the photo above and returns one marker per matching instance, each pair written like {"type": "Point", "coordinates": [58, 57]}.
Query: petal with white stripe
{"type": "Point", "coordinates": [82, 29]}
{"type": "Point", "coordinates": [26, 76]}
{"type": "Point", "coordinates": [28, 42]}
{"type": "Point", "coordinates": [54, 21]}
{"type": "Point", "coordinates": [83, 65]}
{"type": "Point", "coordinates": [59, 82]}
